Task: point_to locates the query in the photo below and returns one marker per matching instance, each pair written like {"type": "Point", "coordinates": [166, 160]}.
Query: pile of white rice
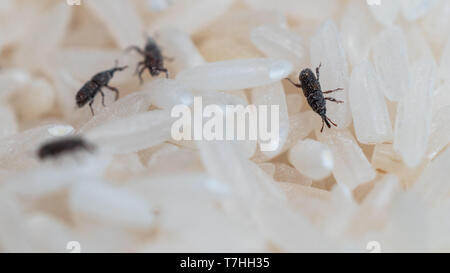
{"type": "Point", "coordinates": [381, 179]}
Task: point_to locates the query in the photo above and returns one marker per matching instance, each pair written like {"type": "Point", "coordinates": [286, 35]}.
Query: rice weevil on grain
{"type": "Point", "coordinates": [90, 89]}
{"type": "Point", "coordinates": [58, 147]}
{"type": "Point", "coordinates": [153, 59]}
{"type": "Point", "coordinates": [310, 85]}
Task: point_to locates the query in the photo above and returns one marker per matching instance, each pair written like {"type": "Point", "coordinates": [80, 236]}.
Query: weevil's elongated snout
{"type": "Point", "coordinates": [115, 69]}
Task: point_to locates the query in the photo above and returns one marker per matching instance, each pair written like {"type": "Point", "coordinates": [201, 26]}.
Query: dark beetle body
{"type": "Point", "coordinates": [61, 146]}
{"type": "Point", "coordinates": [90, 89]}
{"type": "Point", "coordinates": [310, 85]}
{"type": "Point", "coordinates": [153, 59]}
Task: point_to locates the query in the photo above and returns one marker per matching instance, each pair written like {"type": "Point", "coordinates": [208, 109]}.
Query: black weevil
{"type": "Point", "coordinates": [90, 89]}
{"type": "Point", "coordinates": [310, 85]}
{"type": "Point", "coordinates": [58, 147]}
{"type": "Point", "coordinates": [153, 59]}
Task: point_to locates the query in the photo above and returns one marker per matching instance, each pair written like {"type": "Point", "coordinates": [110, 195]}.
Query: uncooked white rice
{"type": "Point", "coordinates": [382, 175]}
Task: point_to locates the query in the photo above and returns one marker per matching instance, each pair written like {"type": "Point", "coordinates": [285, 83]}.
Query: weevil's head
{"type": "Point", "coordinates": [154, 71]}
{"type": "Point", "coordinates": [82, 98]}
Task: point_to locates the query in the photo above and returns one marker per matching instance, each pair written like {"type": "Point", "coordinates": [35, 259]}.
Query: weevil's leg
{"type": "Point", "coordinates": [335, 125]}
{"type": "Point", "coordinates": [114, 90]}
{"type": "Point", "coordinates": [317, 71]}
{"type": "Point", "coordinates": [165, 71]}
{"type": "Point", "coordinates": [90, 106]}
{"type": "Point", "coordinates": [323, 123]}
{"type": "Point", "coordinates": [140, 74]}
{"type": "Point", "coordinates": [334, 100]}
{"type": "Point", "coordinates": [138, 66]}
{"type": "Point", "coordinates": [331, 91]}
{"type": "Point", "coordinates": [293, 83]}
{"type": "Point", "coordinates": [136, 48]}
{"type": "Point", "coordinates": [103, 96]}
{"type": "Point", "coordinates": [326, 119]}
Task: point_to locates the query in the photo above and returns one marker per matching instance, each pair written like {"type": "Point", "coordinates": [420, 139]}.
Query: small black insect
{"type": "Point", "coordinates": [61, 146]}
{"type": "Point", "coordinates": [153, 59]}
{"type": "Point", "coordinates": [90, 89]}
{"type": "Point", "coordinates": [314, 94]}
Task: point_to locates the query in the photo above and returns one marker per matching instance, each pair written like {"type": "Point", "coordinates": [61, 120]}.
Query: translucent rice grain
{"type": "Point", "coordinates": [385, 13]}
{"type": "Point", "coordinates": [35, 99]}
{"type": "Point", "coordinates": [121, 19]}
{"type": "Point", "coordinates": [45, 36]}
{"type": "Point", "coordinates": [220, 48]}
{"type": "Point", "coordinates": [414, 114]}
{"type": "Point", "coordinates": [10, 80]}
{"type": "Point", "coordinates": [326, 48]}
{"type": "Point", "coordinates": [312, 159]}
{"type": "Point", "coordinates": [383, 193]}
{"type": "Point", "coordinates": [172, 159]}
{"type": "Point", "coordinates": [444, 65]}
{"type": "Point", "coordinates": [351, 167]}
{"type": "Point", "coordinates": [8, 121]}
{"type": "Point", "coordinates": [158, 5]}
{"type": "Point", "coordinates": [166, 93]}
{"type": "Point", "coordinates": [441, 97]}
{"type": "Point", "coordinates": [300, 126]}
{"type": "Point", "coordinates": [286, 173]}
{"type": "Point", "coordinates": [134, 103]}
{"type": "Point", "coordinates": [7, 6]}
{"type": "Point", "coordinates": [433, 184]}
{"type": "Point", "coordinates": [273, 95]}
{"type": "Point", "coordinates": [418, 46]}
{"type": "Point", "coordinates": [280, 43]}
{"type": "Point", "coordinates": [391, 62]}
{"type": "Point", "coordinates": [190, 16]}
{"type": "Point", "coordinates": [234, 24]}
{"type": "Point", "coordinates": [133, 133]}
{"type": "Point", "coordinates": [358, 27]}
{"type": "Point", "coordinates": [60, 130]}
{"type": "Point", "coordinates": [412, 10]}
{"type": "Point", "coordinates": [266, 207]}
{"type": "Point", "coordinates": [440, 132]}
{"type": "Point", "coordinates": [436, 24]}
{"type": "Point", "coordinates": [206, 196]}
{"type": "Point", "coordinates": [123, 167]}
{"type": "Point", "coordinates": [12, 226]}
{"type": "Point", "coordinates": [234, 75]}
{"type": "Point", "coordinates": [369, 110]}
{"type": "Point", "coordinates": [314, 10]}
{"type": "Point", "coordinates": [20, 21]}
{"type": "Point", "coordinates": [48, 233]}
{"type": "Point", "coordinates": [112, 205]}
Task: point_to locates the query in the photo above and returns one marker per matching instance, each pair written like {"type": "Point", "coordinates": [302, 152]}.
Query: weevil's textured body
{"type": "Point", "coordinates": [153, 59]}
{"type": "Point", "coordinates": [310, 85]}
{"type": "Point", "coordinates": [90, 89]}
{"type": "Point", "coordinates": [62, 146]}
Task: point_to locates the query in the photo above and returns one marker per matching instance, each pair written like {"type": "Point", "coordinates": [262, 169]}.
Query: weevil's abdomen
{"type": "Point", "coordinates": [317, 102]}
{"type": "Point", "coordinates": [86, 93]}
{"type": "Point", "coordinates": [151, 47]}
